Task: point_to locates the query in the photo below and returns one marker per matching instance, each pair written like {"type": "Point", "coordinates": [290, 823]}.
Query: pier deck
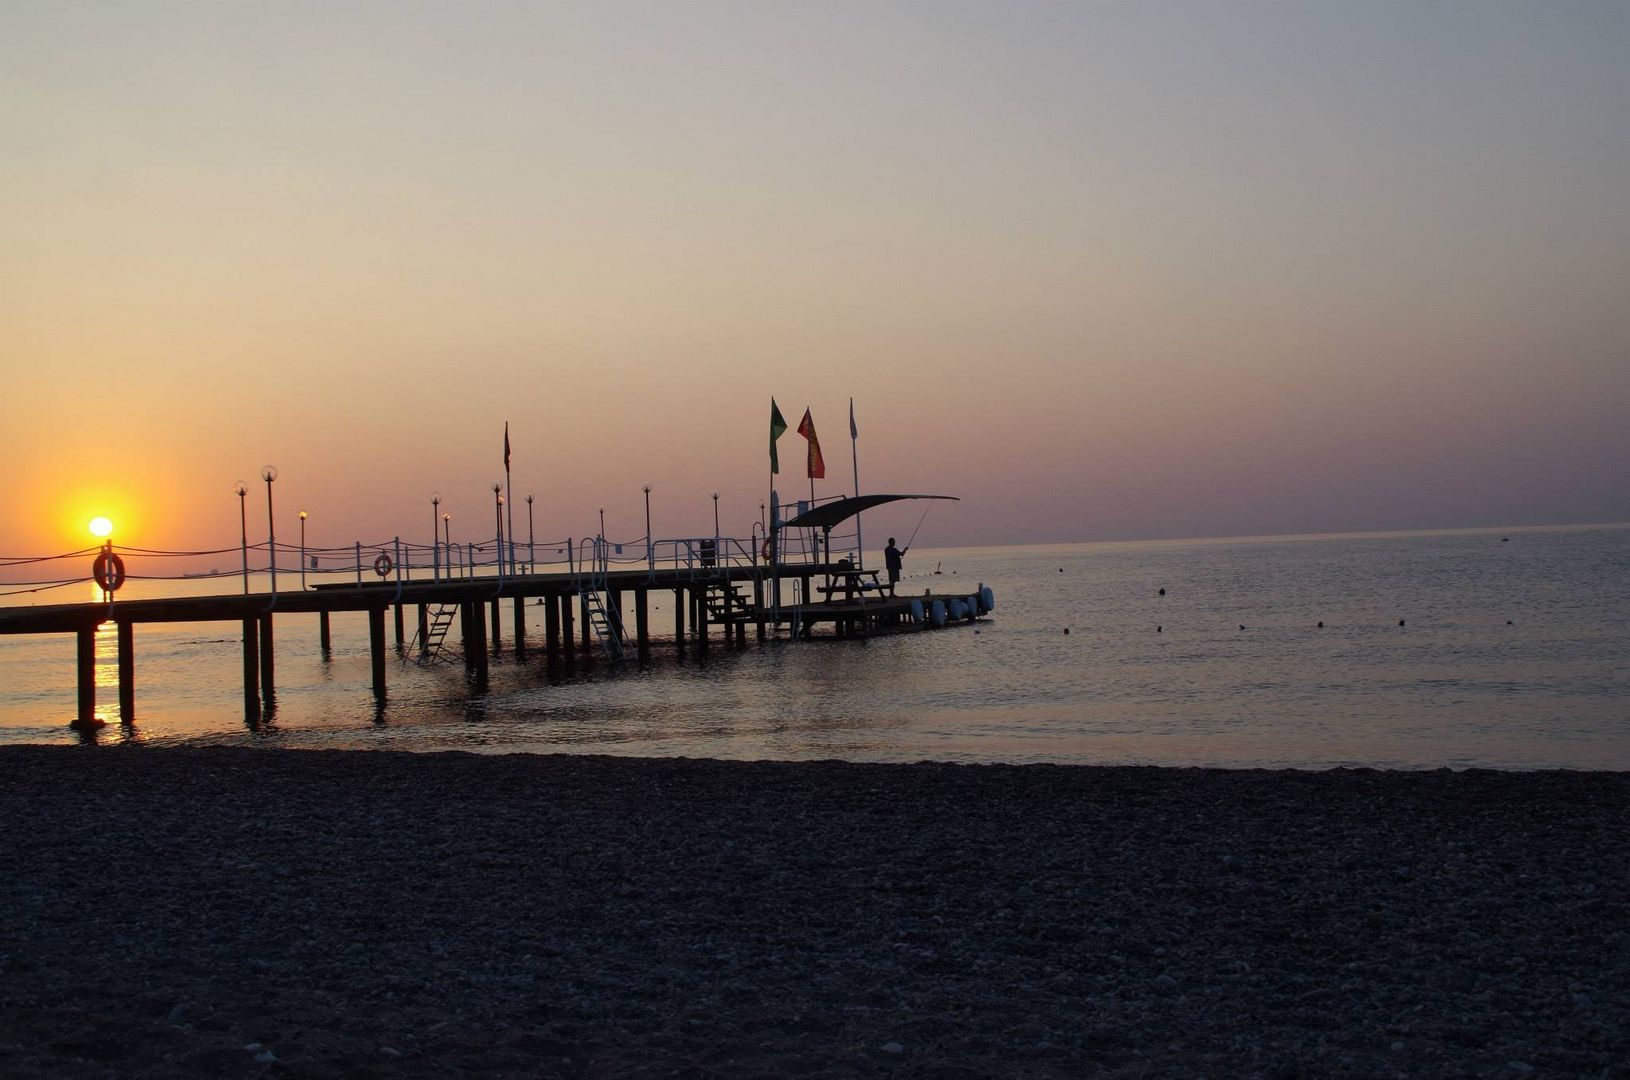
{"type": "Point", "coordinates": [586, 606]}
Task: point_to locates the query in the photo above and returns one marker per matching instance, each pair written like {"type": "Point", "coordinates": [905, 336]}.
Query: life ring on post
{"type": "Point", "coordinates": [767, 547]}
{"type": "Point", "coordinates": [109, 570]}
{"type": "Point", "coordinates": [383, 565]}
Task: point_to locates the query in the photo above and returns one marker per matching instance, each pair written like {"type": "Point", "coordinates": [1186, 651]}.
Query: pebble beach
{"type": "Point", "coordinates": [231, 912]}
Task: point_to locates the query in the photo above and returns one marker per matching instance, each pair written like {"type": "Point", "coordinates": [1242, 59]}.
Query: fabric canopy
{"type": "Point", "coordinates": [829, 514]}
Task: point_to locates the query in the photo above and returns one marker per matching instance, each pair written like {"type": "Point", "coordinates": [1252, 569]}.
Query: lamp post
{"type": "Point", "coordinates": [650, 556]}
{"type": "Point", "coordinates": [602, 523]}
{"type": "Point", "coordinates": [531, 540]}
{"type": "Point", "coordinates": [715, 515]}
{"type": "Point", "coordinates": [447, 537]}
{"type": "Point", "coordinates": [302, 551]}
{"type": "Point", "coordinates": [435, 549]}
{"type": "Point", "coordinates": [242, 489]}
{"type": "Point", "coordinates": [268, 474]}
{"type": "Point", "coordinates": [498, 511]}
{"type": "Point", "coordinates": [761, 523]}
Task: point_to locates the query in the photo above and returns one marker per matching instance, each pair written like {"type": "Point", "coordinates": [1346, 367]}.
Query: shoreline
{"type": "Point", "coordinates": [429, 914]}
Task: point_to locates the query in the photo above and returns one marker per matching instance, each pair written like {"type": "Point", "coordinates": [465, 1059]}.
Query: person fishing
{"type": "Point", "coordinates": [893, 559]}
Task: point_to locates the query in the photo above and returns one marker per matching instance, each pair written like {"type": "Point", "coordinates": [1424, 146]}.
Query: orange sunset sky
{"type": "Point", "coordinates": [1102, 270]}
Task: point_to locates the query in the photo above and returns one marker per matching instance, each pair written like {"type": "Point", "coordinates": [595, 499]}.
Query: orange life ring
{"type": "Point", "coordinates": [109, 571]}
{"type": "Point", "coordinates": [383, 565]}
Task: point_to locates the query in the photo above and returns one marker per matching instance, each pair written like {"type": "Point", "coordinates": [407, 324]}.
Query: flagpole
{"type": "Point", "coordinates": [777, 425]}
{"type": "Point", "coordinates": [509, 494]}
{"type": "Point", "coordinates": [854, 436]}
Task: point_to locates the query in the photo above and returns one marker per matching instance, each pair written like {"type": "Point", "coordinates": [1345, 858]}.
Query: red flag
{"type": "Point", "coordinates": [817, 464]}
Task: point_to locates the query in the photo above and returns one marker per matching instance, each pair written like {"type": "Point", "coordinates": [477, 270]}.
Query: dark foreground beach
{"type": "Point", "coordinates": [215, 912]}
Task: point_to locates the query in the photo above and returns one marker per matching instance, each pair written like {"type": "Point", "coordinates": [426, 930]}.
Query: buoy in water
{"type": "Point", "coordinates": [1242, 626]}
{"type": "Point", "coordinates": [1321, 625]}
{"type": "Point", "coordinates": [1400, 622]}
{"type": "Point", "coordinates": [1163, 591]}
{"type": "Point", "coordinates": [1508, 622]}
{"type": "Point", "coordinates": [1066, 629]}
{"type": "Point", "coordinates": [1160, 629]}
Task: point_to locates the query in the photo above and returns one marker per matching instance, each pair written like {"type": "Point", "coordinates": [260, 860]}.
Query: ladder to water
{"type": "Point", "coordinates": [607, 629]}
{"type": "Point", "coordinates": [431, 648]}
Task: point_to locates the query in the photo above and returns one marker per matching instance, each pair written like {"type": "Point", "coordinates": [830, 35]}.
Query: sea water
{"type": "Point", "coordinates": [1506, 649]}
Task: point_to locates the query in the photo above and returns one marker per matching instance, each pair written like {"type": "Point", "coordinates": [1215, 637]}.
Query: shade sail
{"type": "Point", "coordinates": [829, 514]}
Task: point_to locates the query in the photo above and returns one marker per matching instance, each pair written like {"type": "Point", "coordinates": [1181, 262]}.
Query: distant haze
{"type": "Point", "coordinates": [1102, 270]}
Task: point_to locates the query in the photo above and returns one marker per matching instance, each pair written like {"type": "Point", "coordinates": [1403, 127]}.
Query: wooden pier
{"type": "Point", "coordinates": [584, 615]}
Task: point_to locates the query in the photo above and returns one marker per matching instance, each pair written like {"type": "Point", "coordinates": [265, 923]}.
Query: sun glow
{"type": "Point", "coordinates": [101, 528]}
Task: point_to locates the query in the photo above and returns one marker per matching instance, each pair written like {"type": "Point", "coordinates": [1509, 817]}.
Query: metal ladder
{"type": "Point", "coordinates": [431, 648]}
{"type": "Point", "coordinates": [608, 631]}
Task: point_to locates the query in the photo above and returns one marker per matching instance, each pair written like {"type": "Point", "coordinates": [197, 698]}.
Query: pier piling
{"type": "Point", "coordinates": [642, 622]}
{"type": "Point", "coordinates": [87, 678]}
{"type": "Point", "coordinates": [127, 672]}
{"type": "Point", "coordinates": [267, 660]}
{"type": "Point", "coordinates": [376, 649]}
{"type": "Point", "coordinates": [251, 669]}
{"type": "Point", "coordinates": [551, 629]}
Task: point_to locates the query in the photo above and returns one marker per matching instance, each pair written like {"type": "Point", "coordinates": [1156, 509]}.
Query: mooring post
{"type": "Point", "coordinates": [424, 626]}
{"type": "Point", "coordinates": [520, 628]}
{"type": "Point", "coordinates": [251, 668]}
{"type": "Point", "coordinates": [583, 617]}
{"type": "Point", "coordinates": [127, 672]}
{"type": "Point", "coordinates": [401, 642]}
{"type": "Point", "coordinates": [497, 628]}
{"type": "Point", "coordinates": [642, 622]}
{"type": "Point", "coordinates": [376, 649]}
{"type": "Point", "coordinates": [87, 678]}
{"type": "Point", "coordinates": [325, 639]}
{"type": "Point", "coordinates": [267, 682]}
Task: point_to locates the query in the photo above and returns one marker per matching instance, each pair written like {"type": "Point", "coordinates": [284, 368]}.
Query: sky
{"type": "Point", "coordinates": [1103, 270]}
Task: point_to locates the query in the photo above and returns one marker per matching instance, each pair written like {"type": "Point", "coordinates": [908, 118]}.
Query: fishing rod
{"type": "Point", "coordinates": [920, 521]}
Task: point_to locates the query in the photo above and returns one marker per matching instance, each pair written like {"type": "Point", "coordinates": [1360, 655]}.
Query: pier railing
{"type": "Point", "coordinates": [32, 579]}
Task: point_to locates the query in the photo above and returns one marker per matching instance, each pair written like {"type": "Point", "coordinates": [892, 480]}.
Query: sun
{"type": "Point", "coordinates": [101, 527]}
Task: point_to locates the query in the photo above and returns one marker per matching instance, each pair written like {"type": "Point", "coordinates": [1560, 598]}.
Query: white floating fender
{"type": "Point", "coordinates": [987, 599]}
{"type": "Point", "coordinates": [936, 614]}
{"type": "Point", "coordinates": [916, 611]}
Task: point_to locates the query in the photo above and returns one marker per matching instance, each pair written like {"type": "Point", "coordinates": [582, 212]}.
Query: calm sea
{"type": "Point", "coordinates": [1507, 649]}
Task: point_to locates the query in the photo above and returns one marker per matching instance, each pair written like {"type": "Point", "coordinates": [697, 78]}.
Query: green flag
{"type": "Point", "coordinates": [777, 426]}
